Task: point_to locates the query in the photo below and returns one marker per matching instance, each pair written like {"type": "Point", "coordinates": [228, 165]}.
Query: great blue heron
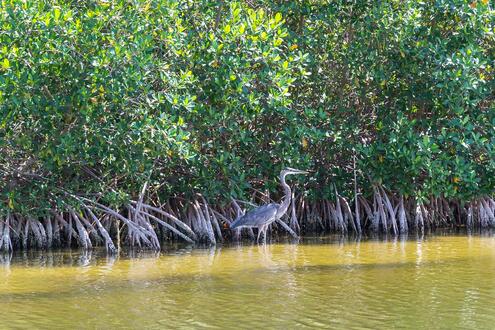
{"type": "Point", "coordinates": [261, 217]}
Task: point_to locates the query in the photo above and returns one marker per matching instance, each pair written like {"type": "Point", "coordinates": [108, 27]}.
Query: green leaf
{"type": "Point", "coordinates": [57, 13]}
{"type": "Point", "coordinates": [5, 63]}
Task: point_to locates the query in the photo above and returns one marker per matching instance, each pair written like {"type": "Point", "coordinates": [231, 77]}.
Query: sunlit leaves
{"type": "Point", "coordinates": [217, 96]}
{"type": "Point", "coordinates": [5, 64]}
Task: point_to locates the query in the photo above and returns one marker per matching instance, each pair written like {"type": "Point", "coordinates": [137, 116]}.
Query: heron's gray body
{"type": "Point", "coordinates": [258, 217]}
{"type": "Point", "coordinates": [261, 217]}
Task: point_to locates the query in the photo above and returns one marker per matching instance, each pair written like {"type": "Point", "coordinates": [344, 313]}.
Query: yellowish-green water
{"type": "Point", "coordinates": [439, 282]}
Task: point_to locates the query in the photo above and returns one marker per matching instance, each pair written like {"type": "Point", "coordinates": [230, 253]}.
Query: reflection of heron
{"type": "Point", "coordinates": [261, 217]}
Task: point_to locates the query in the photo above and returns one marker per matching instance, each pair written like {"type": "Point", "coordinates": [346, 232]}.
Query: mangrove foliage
{"type": "Point", "coordinates": [127, 122]}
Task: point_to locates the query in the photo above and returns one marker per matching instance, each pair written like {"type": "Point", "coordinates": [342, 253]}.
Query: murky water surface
{"type": "Point", "coordinates": [436, 282]}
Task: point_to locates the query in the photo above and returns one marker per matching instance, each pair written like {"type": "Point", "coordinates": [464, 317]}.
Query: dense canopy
{"type": "Point", "coordinates": [99, 99]}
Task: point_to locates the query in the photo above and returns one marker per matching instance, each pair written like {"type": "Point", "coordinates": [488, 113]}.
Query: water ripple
{"type": "Point", "coordinates": [440, 282]}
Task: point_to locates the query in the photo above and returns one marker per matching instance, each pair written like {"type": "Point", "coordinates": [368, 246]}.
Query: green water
{"type": "Point", "coordinates": [438, 282]}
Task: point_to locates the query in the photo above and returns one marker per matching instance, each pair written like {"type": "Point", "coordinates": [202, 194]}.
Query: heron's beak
{"type": "Point", "coordinates": [295, 171]}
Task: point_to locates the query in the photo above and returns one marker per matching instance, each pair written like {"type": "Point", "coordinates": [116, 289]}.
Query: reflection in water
{"type": "Point", "coordinates": [411, 282]}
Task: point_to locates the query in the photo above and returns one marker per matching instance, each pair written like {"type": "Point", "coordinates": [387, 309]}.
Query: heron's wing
{"type": "Point", "coordinates": [256, 217]}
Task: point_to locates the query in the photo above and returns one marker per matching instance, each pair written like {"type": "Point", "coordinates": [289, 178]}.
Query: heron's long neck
{"type": "Point", "coordinates": [287, 197]}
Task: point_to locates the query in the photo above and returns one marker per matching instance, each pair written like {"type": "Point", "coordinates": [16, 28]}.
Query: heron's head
{"type": "Point", "coordinates": [289, 170]}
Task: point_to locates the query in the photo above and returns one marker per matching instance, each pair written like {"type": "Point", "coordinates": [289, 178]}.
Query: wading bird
{"type": "Point", "coordinates": [261, 217]}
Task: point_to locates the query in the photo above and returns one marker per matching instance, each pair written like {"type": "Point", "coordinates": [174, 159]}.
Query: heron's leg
{"type": "Point", "coordinates": [265, 229]}
{"type": "Point", "coordinates": [260, 230]}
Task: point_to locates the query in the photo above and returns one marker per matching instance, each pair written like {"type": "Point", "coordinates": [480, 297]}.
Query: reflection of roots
{"type": "Point", "coordinates": [5, 258]}
{"type": "Point", "coordinates": [57, 257]}
{"type": "Point", "coordinates": [146, 226]}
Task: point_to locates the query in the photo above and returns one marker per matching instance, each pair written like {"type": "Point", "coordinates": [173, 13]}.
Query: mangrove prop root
{"type": "Point", "coordinates": [108, 240]}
